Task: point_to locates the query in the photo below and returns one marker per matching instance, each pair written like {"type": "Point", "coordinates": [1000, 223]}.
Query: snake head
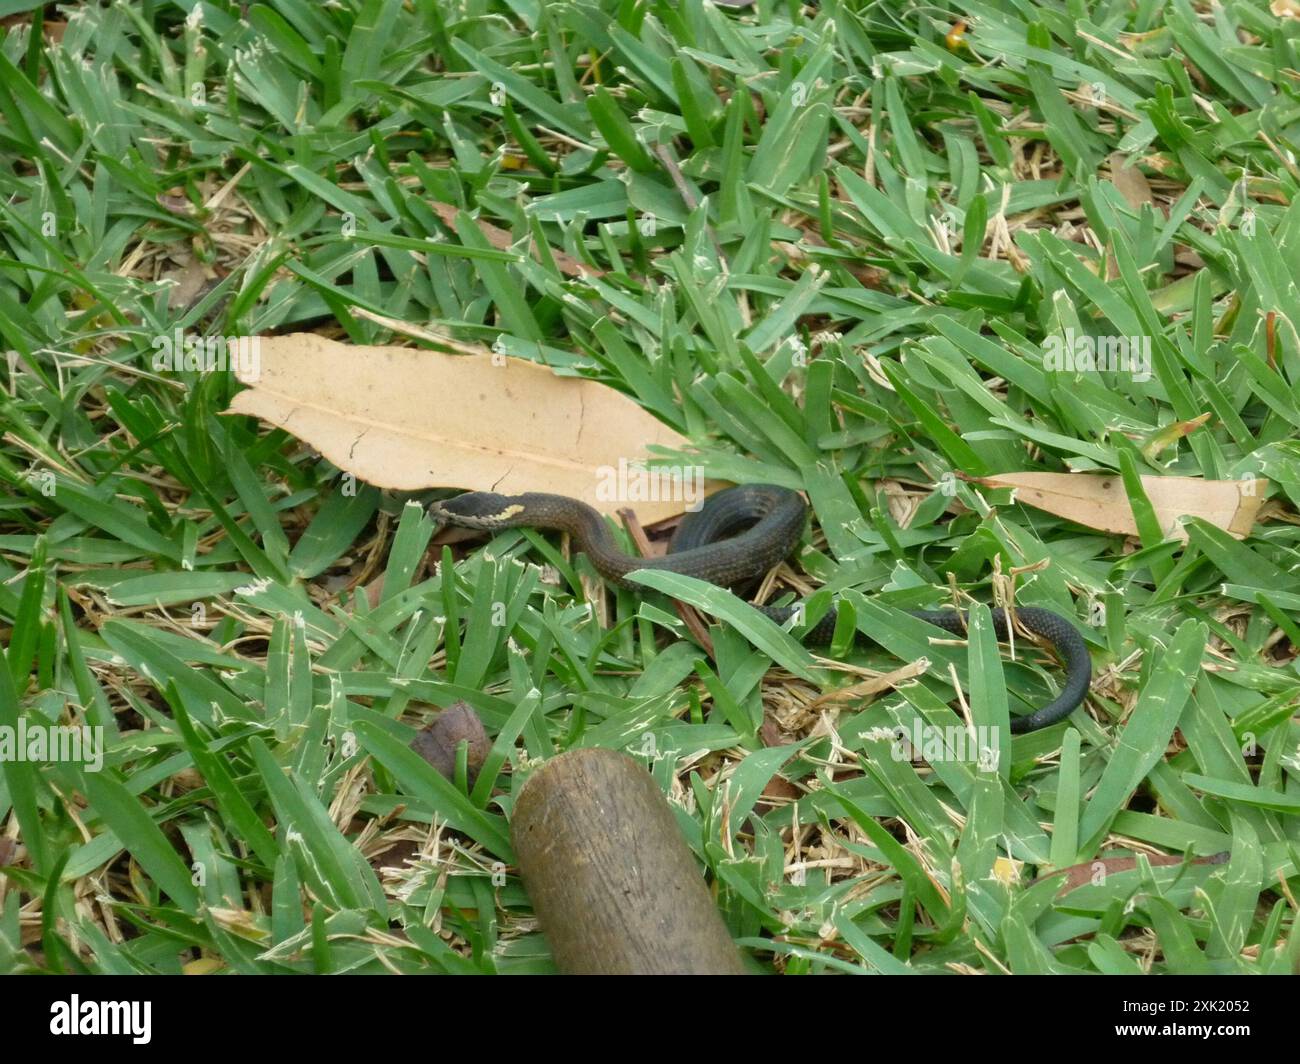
{"type": "Point", "coordinates": [477, 509]}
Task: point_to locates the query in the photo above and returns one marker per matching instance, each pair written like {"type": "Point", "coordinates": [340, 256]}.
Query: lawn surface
{"type": "Point", "coordinates": [830, 244]}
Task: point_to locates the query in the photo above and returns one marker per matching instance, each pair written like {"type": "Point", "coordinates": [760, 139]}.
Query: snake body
{"type": "Point", "coordinates": [737, 536]}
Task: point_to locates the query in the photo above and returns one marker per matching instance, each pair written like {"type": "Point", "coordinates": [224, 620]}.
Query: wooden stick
{"type": "Point", "coordinates": [611, 879]}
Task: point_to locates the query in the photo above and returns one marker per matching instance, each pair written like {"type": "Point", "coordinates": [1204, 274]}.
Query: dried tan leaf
{"type": "Point", "coordinates": [1100, 501]}
{"type": "Point", "coordinates": [502, 240]}
{"type": "Point", "coordinates": [1171, 434]}
{"type": "Point", "coordinates": [187, 282]}
{"type": "Point", "coordinates": [1285, 8]}
{"type": "Point", "coordinates": [402, 418]}
{"type": "Point", "coordinates": [1082, 874]}
{"type": "Point", "coordinates": [873, 685]}
{"type": "Point", "coordinates": [1130, 181]}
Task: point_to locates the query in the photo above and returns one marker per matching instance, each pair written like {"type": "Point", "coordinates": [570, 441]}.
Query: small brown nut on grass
{"type": "Point", "coordinates": [438, 742]}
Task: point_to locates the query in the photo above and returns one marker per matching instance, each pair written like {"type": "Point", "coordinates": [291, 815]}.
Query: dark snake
{"type": "Point", "coordinates": [733, 540]}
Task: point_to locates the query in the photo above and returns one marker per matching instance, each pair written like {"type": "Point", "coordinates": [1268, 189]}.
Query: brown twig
{"type": "Point", "coordinates": [694, 623]}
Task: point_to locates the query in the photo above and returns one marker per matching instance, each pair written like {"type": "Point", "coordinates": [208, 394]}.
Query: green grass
{"type": "Point", "coordinates": [864, 231]}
